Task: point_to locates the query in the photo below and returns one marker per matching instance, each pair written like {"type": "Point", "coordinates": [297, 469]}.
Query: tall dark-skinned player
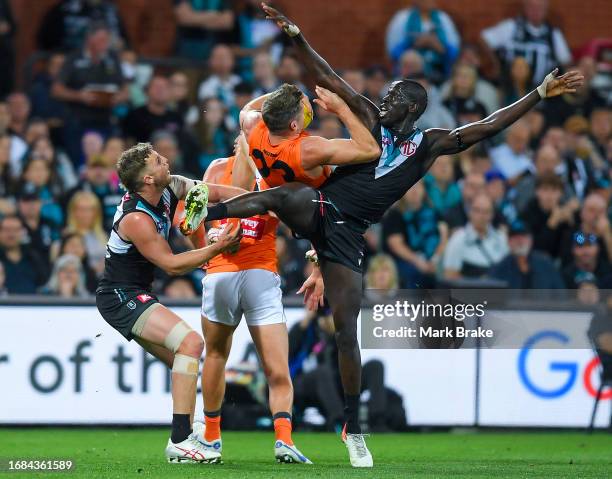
{"type": "Point", "coordinates": [335, 215]}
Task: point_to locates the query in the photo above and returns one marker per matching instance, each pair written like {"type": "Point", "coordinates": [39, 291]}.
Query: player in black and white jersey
{"type": "Point", "coordinates": [138, 243]}
{"type": "Point", "coordinates": [335, 216]}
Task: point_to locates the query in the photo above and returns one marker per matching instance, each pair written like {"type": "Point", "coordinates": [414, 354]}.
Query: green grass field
{"type": "Point", "coordinates": [122, 453]}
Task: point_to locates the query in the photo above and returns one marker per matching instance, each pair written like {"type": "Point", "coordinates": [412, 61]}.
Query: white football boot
{"type": "Point", "coordinates": [198, 432]}
{"type": "Point", "coordinates": [359, 453]}
{"type": "Point", "coordinates": [290, 454]}
{"type": "Point", "coordinates": [189, 451]}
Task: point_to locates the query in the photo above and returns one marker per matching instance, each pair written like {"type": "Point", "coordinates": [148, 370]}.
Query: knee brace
{"type": "Point", "coordinates": [176, 336]}
{"type": "Point", "coordinates": [185, 365]}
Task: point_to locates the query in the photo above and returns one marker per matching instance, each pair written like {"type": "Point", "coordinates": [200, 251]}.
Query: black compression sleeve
{"type": "Point", "coordinates": [217, 212]}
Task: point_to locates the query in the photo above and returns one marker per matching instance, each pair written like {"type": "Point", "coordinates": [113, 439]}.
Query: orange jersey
{"type": "Point", "coordinates": [258, 243]}
{"type": "Point", "coordinates": [282, 163]}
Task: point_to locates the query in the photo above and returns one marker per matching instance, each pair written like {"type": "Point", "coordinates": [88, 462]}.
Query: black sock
{"type": "Point", "coordinates": [351, 413]}
{"type": "Point", "coordinates": [216, 413]}
{"type": "Point", "coordinates": [181, 427]}
{"type": "Point", "coordinates": [217, 212]}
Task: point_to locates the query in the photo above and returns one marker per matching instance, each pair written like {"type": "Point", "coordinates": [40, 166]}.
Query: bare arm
{"type": "Point", "coordinates": [243, 171]}
{"type": "Point", "coordinates": [216, 193]}
{"type": "Point", "coordinates": [140, 230]}
{"type": "Point", "coordinates": [320, 73]}
{"type": "Point", "coordinates": [447, 142]}
{"type": "Point", "coordinates": [361, 148]}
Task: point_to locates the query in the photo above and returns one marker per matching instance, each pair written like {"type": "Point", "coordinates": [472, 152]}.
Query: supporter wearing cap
{"type": "Point", "coordinates": [585, 259]}
{"type": "Point", "coordinates": [524, 268]}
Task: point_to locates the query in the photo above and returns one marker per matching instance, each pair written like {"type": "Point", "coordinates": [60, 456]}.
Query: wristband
{"type": "Point", "coordinates": [292, 30]}
{"type": "Point", "coordinates": [547, 79]}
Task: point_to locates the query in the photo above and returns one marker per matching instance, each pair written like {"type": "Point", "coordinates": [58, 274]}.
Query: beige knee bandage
{"type": "Point", "coordinates": [142, 320]}
{"type": "Point", "coordinates": [185, 365]}
{"type": "Point", "coordinates": [176, 335]}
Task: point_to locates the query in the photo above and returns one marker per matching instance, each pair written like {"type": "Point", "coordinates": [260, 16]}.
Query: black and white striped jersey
{"type": "Point", "coordinates": [125, 267]}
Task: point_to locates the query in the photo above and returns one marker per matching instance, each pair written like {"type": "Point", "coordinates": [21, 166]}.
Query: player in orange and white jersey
{"type": "Point", "coordinates": [245, 282]}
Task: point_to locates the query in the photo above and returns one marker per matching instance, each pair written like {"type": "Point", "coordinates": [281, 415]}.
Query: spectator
{"type": "Point", "coordinates": [254, 33]}
{"type": "Point", "coordinates": [214, 135]}
{"type": "Point", "coordinates": [6, 176]}
{"type": "Point", "coordinates": [179, 98]}
{"type": "Point", "coordinates": [289, 71]}
{"type": "Point", "coordinates": [36, 128]}
{"type": "Point", "coordinates": [63, 176]}
{"type": "Point", "coordinates": [547, 163]}
{"type": "Point", "coordinates": [511, 158]}
{"type": "Point", "coordinates": [473, 185]}
{"type": "Point", "coordinates": [578, 169]}
{"type": "Point", "coordinates": [24, 268]}
{"type": "Point", "coordinates": [40, 232]}
{"type": "Point", "coordinates": [222, 80]}
{"type": "Point", "coordinates": [18, 147]}
{"type": "Point", "coordinates": [84, 216]}
{"type": "Point", "coordinates": [67, 279]}
{"type": "Point", "coordinates": [74, 244]}
{"type": "Point", "coordinates": [44, 105]}
{"type": "Point", "coordinates": [112, 149]}
{"type": "Point", "coordinates": [592, 222]}
{"type": "Point", "coordinates": [475, 248]}
{"type": "Point", "coordinates": [375, 81]}
{"type": "Point", "coordinates": [140, 123]}
{"type": "Point", "coordinates": [19, 111]}
{"type": "Point", "coordinates": [442, 191]}
{"type": "Point", "coordinates": [497, 190]}
{"type": "Point", "coordinates": [381, 278]}
{"type": "Point", "coordinates": [356, 80]}
{"type": "Point", "coordinates": [529, 35]}
{"type": "Point", "coordinates": [415, 235]}
{"type": "Point", "coordinates": [601, 130]}
{"type": "Point", "coordinates": [548, 220]}
{"type": "Point", "coordinates": [91, 82]}
{"type": "Point", "coordinates": [484, 91]}
{"type": "Point", "coordinates": [243, 93]}
{"type": "Point", "coordinates": [7, 48]}
{"type": "Point", "coordinates": [428, 30]}
{"type": "Point", "coordinates": [65, 25]}
{"type": "Point", "coordinates": [585, 259]}
{"type": "Point", "coordinates": [461, 97]}
{"type": "Point", "coordinates": [37, 175]}
{"type": "Point", "coordinates": [519, 81]}
{"type": "Point", "coordinates": [524, 268]}
{"type": "Point", "coordinates": [201, 26]}
{"type": "Point", "coordinates": [264, 75]}
{"type": "Point", "coordinates": [179, 287]}
{"type": "Point", "coordinates": [97, 179]}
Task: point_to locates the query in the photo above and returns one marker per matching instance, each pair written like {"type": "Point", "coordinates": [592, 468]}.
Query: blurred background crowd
{"type": "Point", "coordinates": [527, 209]}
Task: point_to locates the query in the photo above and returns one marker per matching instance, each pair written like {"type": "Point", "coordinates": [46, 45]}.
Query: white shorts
{"type": "Point", "coordinates": [254, 293]}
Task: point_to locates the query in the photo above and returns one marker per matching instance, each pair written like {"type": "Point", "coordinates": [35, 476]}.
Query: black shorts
{"type": "Point", "coordinates": [121, 307]}
{"type": "Point", "coordinates": [338, 238]}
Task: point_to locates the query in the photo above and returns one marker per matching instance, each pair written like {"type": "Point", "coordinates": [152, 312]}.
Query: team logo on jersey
{"type": "Point", "coordinates": [407, 148]}
{"type": "Point", "coordinates": [143, 298]}
{"type": "Point", "coordinates": [131, 305]}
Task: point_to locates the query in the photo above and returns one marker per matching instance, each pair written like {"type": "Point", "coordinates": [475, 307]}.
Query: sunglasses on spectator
{"type": "Point", "coordinates": [582, 239]}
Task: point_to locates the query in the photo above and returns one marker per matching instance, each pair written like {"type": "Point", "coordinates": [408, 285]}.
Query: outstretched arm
{"type": "Point", "coordinates": [446, 142]}
{"type": "Point", "coordinates": [361, 148]}
{"type": "Point", "coordinates": [320, 73]}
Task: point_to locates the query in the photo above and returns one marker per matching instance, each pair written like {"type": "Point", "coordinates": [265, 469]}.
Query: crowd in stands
{"type": "Point", "coordinates": [529, 208]}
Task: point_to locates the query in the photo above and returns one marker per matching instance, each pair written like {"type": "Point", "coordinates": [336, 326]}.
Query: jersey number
{"type": "Point", "coordinates": [288, 174]}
